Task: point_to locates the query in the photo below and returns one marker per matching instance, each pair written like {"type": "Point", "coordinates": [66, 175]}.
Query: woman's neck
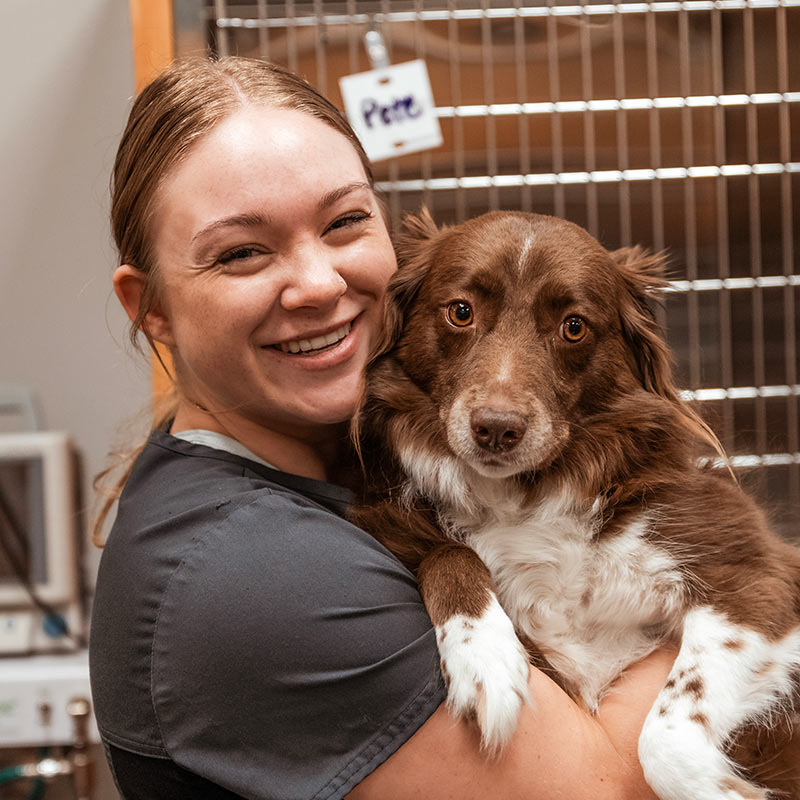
{"type": "Point", "coordinates": [310, 453]}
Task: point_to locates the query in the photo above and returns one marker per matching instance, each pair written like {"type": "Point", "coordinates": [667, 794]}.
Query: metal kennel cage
{"type": "Point", "coordinates": [671, 124]}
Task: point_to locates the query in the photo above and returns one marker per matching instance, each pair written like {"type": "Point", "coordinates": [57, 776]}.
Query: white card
{"type": "Point", "coordinates": [391, 109]}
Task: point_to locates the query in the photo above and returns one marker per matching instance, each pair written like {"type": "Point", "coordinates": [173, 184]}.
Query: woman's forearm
{"type": "Point", "coordinates": [558, 751]}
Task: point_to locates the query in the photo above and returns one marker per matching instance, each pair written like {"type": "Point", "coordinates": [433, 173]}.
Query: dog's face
{"type": "Point", "coordinates": [518, 327]}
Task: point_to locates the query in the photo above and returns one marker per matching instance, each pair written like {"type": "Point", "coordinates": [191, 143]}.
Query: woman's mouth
{"type": "Point", "coordinates": [317, 344]}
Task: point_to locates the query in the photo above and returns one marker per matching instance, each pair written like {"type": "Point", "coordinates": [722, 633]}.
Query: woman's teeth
{"type": "Point", "coordinates": [317, 343]}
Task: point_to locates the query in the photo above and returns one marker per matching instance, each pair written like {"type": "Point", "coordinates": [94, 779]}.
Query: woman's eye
{"type": "Point", "coordinates": [348, 220]}
{"type": "Point", "coordinates": [238, 255]}
{"type": "Point", "coordinates": [460, 314]}
{"type": "Point", "coordinates": [573, 329]}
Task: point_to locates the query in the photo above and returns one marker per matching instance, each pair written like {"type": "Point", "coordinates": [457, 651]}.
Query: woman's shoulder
{"type": "Point", "coordinates": [208, 545]}
{"type": "Point", "coordinates": [271, 566]}
{"type": "Point", "coordinates": [172, 475]}
{"type": "Point", "coordinates": [199, 528]}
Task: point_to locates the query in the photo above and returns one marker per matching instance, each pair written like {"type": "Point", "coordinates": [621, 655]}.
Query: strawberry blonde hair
{"type": "Point", "coordinates": [171, 114]}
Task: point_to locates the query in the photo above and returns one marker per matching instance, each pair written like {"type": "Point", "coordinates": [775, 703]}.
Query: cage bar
{"type": "Point", "coordinates": [667, 124]}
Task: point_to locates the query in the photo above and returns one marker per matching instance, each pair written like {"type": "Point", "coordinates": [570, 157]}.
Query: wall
{"type": "Point", "coordinates": [67, 85]}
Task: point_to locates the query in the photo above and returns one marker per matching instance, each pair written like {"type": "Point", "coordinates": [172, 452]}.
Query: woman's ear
{"type": "Point", "coordinates": [130, 286]}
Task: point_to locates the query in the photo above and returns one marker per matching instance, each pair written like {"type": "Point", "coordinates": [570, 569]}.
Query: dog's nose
{"type": "Point", "coordinates": [499, 431]}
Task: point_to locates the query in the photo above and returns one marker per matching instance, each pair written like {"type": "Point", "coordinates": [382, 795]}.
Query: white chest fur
{"type": "Point", "coordinates": [591, 604]}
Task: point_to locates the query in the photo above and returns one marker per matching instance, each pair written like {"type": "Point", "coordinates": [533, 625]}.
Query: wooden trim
{"type": "Point", "coordinates": [153, 38]}
{"type": "Point", "coordinates": [153, 50]}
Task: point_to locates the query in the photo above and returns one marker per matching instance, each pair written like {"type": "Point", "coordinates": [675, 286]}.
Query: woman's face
{"type": "Point", "coordinates": [273, 257]}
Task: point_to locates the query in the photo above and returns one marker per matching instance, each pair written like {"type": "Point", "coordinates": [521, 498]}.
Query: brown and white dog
{"type": "Point", "coordinates": [525, 443]}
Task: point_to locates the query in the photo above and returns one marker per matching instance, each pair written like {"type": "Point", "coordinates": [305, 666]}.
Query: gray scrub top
{"type": "Point", "coordinates": [245, 632]}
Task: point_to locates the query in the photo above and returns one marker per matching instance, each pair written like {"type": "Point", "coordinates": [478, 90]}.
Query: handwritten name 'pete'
{"type": "Point", "coordinates": [398, 110]}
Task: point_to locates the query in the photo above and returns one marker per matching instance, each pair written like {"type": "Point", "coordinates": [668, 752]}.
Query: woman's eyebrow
{"type": "Point", "coordinates": [236, 220]}
{"type": "Point", "coordinates": [330, 198]}
{"type": "Point", "coordinates": [257, 220]}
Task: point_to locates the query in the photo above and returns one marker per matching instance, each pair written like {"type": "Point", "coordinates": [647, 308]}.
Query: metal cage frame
{"type": "Point", "coordinates": [669, 124]}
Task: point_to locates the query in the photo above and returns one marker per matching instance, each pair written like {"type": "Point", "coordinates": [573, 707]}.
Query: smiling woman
{"type": "Point", "coordinates": [270, 232]}
{"type": "Point", "coordinates": [247, 640]}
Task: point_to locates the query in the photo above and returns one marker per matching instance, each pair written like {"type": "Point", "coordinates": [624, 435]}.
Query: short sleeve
{"type": "Point", "coordinates": [292, 654]}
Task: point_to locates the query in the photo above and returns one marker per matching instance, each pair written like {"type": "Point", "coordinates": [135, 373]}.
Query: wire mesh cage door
{"type": "Point", "coordinates": [669, 124]}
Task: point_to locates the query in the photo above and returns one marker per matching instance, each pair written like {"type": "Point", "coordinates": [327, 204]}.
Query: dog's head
{"type": "Point", "coordinates": [521, 328]}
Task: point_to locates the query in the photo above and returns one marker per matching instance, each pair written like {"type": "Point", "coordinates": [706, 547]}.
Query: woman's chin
{"type": "Point", "coordinates": [324, 416]}
{"type": "Point", "coordinates": [340, 415]}
{"type": "Point", "coordinates": [338, 403]}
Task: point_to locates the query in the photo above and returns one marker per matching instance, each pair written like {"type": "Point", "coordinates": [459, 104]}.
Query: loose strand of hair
{"type": "Point", "coordinates": [109, 482]}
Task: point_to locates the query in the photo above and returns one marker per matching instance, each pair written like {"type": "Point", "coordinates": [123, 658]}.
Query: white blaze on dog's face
{"type": "Point", "coordinates": [515, 334]}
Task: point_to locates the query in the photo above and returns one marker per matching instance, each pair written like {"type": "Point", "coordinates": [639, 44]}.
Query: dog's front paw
{"type": "Point", "coordinates": [486, 669]}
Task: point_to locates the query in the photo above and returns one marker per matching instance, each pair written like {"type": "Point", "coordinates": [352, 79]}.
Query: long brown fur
{"type": "Point", "coordinates": [627, 435]}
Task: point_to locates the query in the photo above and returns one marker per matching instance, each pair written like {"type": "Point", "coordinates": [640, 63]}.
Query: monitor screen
{"type": "Point", "coordinates": [21, 521]}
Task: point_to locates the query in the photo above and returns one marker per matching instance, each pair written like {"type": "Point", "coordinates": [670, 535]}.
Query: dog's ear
{"type": "Point", "coordinates": [415, 228]}
{"type": "Point", "coordinates": [642, 274]}
{"type": "Point", "coordinates": [414, 246]}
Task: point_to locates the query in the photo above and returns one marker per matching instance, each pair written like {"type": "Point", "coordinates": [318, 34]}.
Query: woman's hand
{"type": "Point", "coordinates": [558, 751]}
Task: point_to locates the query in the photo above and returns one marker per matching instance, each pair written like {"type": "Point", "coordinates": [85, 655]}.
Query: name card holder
{"type": "Point", "coordinates": [391, 107]}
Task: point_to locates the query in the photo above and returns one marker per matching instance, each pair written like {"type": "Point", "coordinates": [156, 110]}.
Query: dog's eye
{"type": "Point", "coordinates": [573, 329]}
{"type": "Point", "coordinates": [460, 314]}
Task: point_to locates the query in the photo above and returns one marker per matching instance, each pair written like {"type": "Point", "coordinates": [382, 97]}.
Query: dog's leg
{"type": "Point", "coordinates": [725, 675]}
{"type": "Point", "coordinates": [483, 661]}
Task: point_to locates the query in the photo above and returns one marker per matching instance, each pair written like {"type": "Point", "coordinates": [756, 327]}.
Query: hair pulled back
{"type": "Point", "coordinates": [177, 109]}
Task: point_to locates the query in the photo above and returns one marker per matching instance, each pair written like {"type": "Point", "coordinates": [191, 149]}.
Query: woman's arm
{"type": "Point", "coordinates": [557, 752]}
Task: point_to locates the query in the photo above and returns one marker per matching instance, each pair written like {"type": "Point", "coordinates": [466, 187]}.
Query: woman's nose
{"type": "Point", "coordinates": [313, 282]}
